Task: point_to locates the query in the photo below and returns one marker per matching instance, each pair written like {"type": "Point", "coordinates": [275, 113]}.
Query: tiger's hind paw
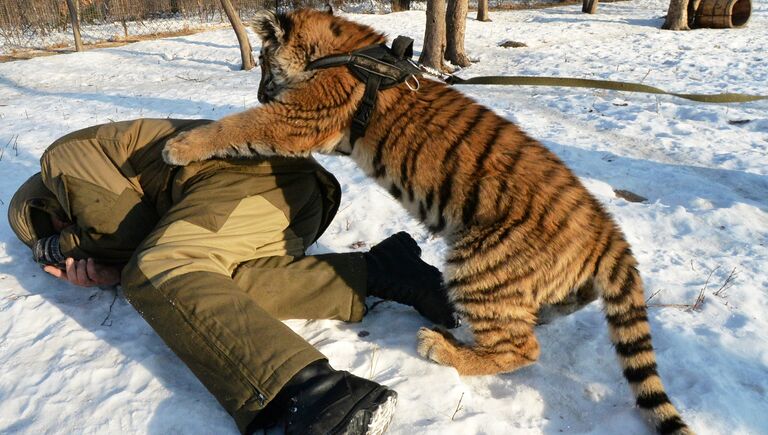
{"type": "Point", "coordinates": [187, 147]}
{"type": "Point", "coordinates": [434, 345]}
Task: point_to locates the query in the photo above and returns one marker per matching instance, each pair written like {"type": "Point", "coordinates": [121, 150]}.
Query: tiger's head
{"type": "Point", "coordinates": [289, 42]}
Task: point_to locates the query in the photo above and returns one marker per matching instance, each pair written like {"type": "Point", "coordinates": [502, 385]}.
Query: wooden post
{"type": "Point", "coordinates": [242, 36]}
{"type": "Point", "coordinates": [75, 24]}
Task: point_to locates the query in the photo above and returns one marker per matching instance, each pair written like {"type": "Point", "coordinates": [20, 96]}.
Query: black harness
{"type": "Point", "coordinates": [379, 67]}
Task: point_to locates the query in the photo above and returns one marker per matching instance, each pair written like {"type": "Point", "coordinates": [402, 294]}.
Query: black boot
{"type": "Point", "coordinates": [397, 273]}
{"type": "Point", "coordinates": [322, 401]}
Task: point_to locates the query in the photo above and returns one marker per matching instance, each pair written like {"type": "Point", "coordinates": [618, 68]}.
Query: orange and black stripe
{"type": "Point", "coordinates": [521, 228]}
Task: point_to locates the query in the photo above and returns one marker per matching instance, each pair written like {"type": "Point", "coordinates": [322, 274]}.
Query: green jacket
{"type": "Point", "coordinates": [113, 184]}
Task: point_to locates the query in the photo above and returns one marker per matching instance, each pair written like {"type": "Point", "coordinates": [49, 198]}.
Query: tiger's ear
{"type": "Point", "coordinates": [267, 25]}
{"type": "Point", "coordinates": [327, 8]}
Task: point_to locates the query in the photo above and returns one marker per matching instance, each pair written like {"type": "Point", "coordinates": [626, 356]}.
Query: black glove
{"type": "Point", "coordinates": [47, 251]}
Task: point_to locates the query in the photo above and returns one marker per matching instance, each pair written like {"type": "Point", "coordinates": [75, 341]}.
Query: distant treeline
{"type": "Point", "coordinates": [43, 16]}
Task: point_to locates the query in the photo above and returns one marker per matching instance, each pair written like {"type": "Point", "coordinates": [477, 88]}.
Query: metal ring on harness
{"type": "Point", "coordinates": [413, 78]}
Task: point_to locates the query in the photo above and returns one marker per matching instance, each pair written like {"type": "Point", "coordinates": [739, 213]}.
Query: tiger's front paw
{"type": "Point", "coordinates": [433, 345]}
{"type": "Point", "coordinates": [185, 148]}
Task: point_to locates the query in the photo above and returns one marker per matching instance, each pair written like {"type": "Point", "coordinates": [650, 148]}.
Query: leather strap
{"type": "Point", "coordinates": [379, 67]}
{"type": "Point", "coordinates": [601, 84]}
{"type": "Point", "coordinates": [365, 110]}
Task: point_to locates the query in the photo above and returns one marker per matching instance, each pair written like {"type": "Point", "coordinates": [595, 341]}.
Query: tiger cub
{"type": "Point", "coordinates": [522, 230]}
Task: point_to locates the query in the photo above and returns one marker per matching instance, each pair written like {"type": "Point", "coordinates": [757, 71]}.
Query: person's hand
{"type": "Point", "coordinates": [86, 273]}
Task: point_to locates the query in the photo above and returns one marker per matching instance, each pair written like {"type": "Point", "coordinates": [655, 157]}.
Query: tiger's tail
{"type": "Point", "coordinates": [621, 288]}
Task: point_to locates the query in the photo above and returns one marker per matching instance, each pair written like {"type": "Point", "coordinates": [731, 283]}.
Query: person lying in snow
{"type": "Point", "coordinates": [212, 256]}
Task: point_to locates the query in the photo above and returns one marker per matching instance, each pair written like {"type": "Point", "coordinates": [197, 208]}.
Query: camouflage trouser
{"type": "Point", "coordinates": [215, 250]}
{"type": "Point", "coordinates": [224, 264]}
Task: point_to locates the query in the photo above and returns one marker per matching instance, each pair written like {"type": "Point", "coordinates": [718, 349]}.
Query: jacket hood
{"type": "Point", "coordinates": [30, 211]}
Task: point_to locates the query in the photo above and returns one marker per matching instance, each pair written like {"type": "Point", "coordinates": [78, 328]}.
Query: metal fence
{"type": "Point", "coordinates": [27, 25]}
{"type": "Point", "coordinates": [45, 24]}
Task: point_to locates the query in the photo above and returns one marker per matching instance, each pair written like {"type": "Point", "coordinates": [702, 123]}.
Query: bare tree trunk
{"type": "Point", "coordinates": [434, 37]}
{"type": "Point", "coordinates": [242, 36]}
{"type": "Point", "coordinates": [401, 5]}
{"type": "Point", "coordinates": [200, 9]}
{"type": "Point", "coordinates": [677, 16]}
{"type": "Point", "coordinates": [75, 24]}
{"type": "Point", "coordinates": [693, 6]}
{"type": "Point", "coordinates": [456, 26]}
{"type": "Point", "coordinates": [589, 6]}
{"type": "Point", "coordinates": [482, 10]}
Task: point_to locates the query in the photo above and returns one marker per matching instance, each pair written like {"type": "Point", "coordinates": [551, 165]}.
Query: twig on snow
{"type": "Point", "coordinates": [2, 151]}
{"type": "Point", "coordinates": [728, 283]}
{"type": "Point", "coordinates": [645, 76]}
{"type": "Point", "coordinates": [458, 407]}
{"type": "Point", "coordinates": [700, 299]}
{"type": "Point", "coordinates": [373, 361]}
{"type": "Point", "coordinates": [653, 295]}
{"type": "Point", "coordinates": [191, 79]}
{"type": "Point", "coordinates": [104, 322]}
{"type": "Point", "coordinates": [681, 306]}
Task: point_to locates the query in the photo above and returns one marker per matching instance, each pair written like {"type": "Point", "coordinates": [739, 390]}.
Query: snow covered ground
{"type": "Point", "coordinates": [82, 361]}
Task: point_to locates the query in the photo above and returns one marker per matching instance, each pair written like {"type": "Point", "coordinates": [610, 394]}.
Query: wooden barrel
{"type": "Point", "coordinates": [723, 14]}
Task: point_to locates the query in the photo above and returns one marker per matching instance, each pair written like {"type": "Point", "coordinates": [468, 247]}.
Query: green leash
{"type": "Point", "coordinates": [600, 84]}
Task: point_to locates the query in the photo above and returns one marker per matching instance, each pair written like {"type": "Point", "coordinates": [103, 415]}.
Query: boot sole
{"type": "Point", "coordinates": [375, 420]}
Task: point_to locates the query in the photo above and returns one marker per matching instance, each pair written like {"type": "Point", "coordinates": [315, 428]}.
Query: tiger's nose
{"type": "Point", "coordinates": [262, 96]}
{"type": "Point", "coordinates": [266, 92]}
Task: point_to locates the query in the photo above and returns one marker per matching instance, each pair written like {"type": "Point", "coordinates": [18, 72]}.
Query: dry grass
{"type": "Point", "coordinates": [528, 6]}
{"type": "Point", "coordinates": [13, 140]}
{"type": "Point", "coordinates": [114, 42]}
{"type": "Point", "coordinates": [701, 297]}
{"type": "Point", "coordinates": [653, 295]}
{"type": "Point", "coordinates": [727, 284]}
